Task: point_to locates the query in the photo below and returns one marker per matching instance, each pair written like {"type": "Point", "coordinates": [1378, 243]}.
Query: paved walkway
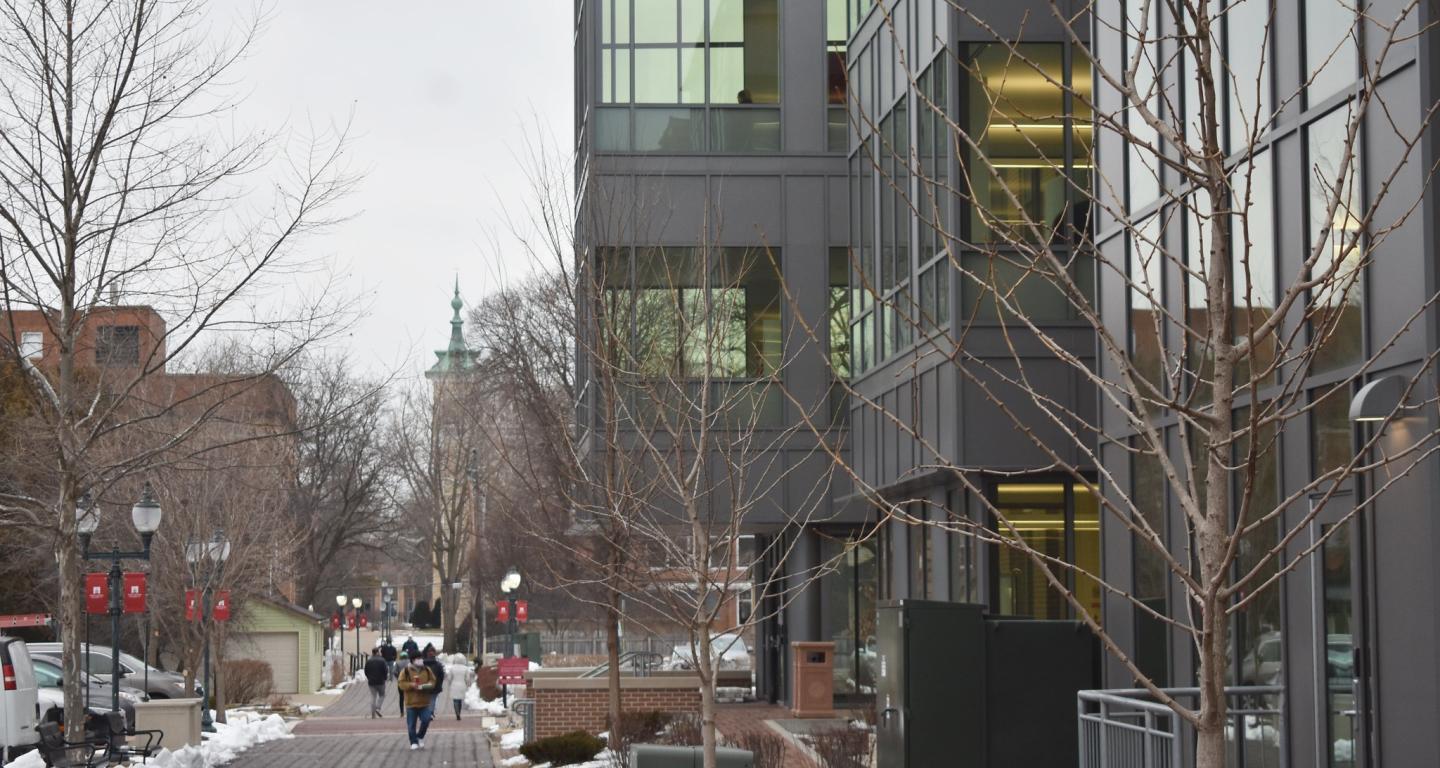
{"type": "Point", "coordinates": [457, 749]}
{"type": "Point", "coordinates": [734, 719]}
{"type": "Point", "coordinates": [350, 713]}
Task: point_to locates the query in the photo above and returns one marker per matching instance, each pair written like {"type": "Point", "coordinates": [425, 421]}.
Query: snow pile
{"type": "Point", "coordinates": [245, 730]}
{"type": "Point", "coordinates": [512, 739]}
{"type": "Point", "coordinates": [602, 760]}
{"type": "Point", "coordinates": [512, 760]}
{"type": "Point", "coordinates": [32, 759]}
{"type": "Point", "coordinates": [473, 703]}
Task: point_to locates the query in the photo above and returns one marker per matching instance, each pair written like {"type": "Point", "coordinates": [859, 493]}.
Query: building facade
{"type": "Point", "coordinates": [710, 134]}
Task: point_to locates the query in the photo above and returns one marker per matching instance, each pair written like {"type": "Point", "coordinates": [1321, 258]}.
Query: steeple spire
{"type": "Point", "coordinates": [455, 358]}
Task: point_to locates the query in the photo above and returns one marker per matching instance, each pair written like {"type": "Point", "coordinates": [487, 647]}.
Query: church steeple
{"type": "Point", "coordinates": [456, 358]}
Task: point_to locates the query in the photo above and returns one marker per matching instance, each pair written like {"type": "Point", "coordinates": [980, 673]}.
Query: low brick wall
{"type": "Point", "coordinates": [573, 704]}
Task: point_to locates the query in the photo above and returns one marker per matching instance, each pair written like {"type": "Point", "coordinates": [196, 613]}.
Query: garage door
{"type": "Point", "coordinates": [280, 649]}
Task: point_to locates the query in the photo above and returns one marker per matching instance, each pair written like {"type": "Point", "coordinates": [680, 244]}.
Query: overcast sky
{"type": "Point", "coordinates": [443, 94]}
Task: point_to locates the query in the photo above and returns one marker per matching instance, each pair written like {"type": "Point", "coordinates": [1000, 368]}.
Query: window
{"type": "Point", "coordinates": [32, 344]}
{"type": "Point", "coordinates": [1146, 276]}
{"type": "Point", "coordinates": [1248, 29]}
{"type": "Point", "coordinates": [690, 52]}
{"type": "Point", "coordinates": [1143, 171]}
{"type": "Point", "coordinates": [117, 345]}
{"type": "Point", "coordinates": [1151, 573]}
{"type": "Point", "coordinates": [1336, 307]}
{"type": "Point", "coordinates": [47, 676]}
{"type": "Point", "coordinates": [1199, 357]}
{"type": "Point", "coordinates": [699, 312]}
{"type": "Point", "coordinates": [841, 19]}
{"type": "Point", "coordinates": [838, 339]}
{"type": "Point", "coordinates": [962, 551]}
{"type": "Point", "coordinates": [1256, 655]}
{"type": "Point", "coordinates": [919, 543]}
{"type": "Point", "coordinates": [1253, 267]}
{"type": "Point", "coordinates": [1057, 519]}
{"type": "Point", "coordinates": [1331, 53]}
{"type": "Point", "coordinates": [1331, 444]}
{"type": "Point", "coordinates": [934, 193]}
{"type": "Point", "coordinates": [848, 609]}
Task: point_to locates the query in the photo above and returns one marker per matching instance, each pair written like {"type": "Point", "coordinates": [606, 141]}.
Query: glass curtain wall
{"type": "Point", "coordinates": [848, 612]}
{"type": "Point", "coordinates": [1058, 519]}
{"type": "Point", "coordinates": [694, 76]}
{"type": "Point", "coordinates": [841, 19]}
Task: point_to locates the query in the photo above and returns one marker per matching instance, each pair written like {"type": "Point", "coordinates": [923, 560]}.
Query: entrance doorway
{"type": "Point", "coordinates": [1059, 519]}
{"type": "Point", "coordinates": [1343, 716]}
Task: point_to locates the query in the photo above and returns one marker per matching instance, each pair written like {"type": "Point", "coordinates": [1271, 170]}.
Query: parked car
{"type": "Point", "coordinates": [158, 684]}
{"type": "Point", "coordinates": [19, 700]}
{"type": "Point", "coordinates": [50, 677]}
{"type": "Point", "coordinates": [728, 649]}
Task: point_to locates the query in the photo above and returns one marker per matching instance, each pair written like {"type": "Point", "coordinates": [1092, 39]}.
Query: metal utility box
{"type": "Point", "coordinates": [814, 679]}
{"type": "Point", "coordinates": [930, 685]}
{"type": "Point", "coordinates": [960, 689]}
{"type": "Point", "coordinates": [656, 756]}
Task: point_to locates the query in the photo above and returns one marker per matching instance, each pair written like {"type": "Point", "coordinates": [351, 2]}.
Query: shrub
{"type": "Point", "coordinates": [842, 747]}
{"type": "Point", "coordinates": [565, 749]}
{"type": "Point", "coordinates": [247, 681]}
{"type": "Point", "coordinates": [684, 731]}
{"type": "Point", "coordinates": [768, 748]}
{"type": "Point", "coordinates": [636, 728]}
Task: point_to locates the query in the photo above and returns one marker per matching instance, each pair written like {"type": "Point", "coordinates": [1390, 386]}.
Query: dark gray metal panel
{"type": "Point", "coordinates": [1393, 293]}
{"type": "Point", "coordinates": [1116, 548]}
{"type": "Point", "coordinates": [802, 46]}
{"type": "Point", "coordinates": [746, 210]}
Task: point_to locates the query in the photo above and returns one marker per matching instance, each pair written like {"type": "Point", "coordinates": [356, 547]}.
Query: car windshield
{"type": "Point", "coordinates": [47, 675]}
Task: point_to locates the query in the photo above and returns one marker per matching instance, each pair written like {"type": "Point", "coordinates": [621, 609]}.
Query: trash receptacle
{"type": "Point", "coordinates": [657, 756]}
{"type": "Point", "coordinates": [814, 679]}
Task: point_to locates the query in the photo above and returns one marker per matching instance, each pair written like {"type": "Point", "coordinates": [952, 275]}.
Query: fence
{"type": "Point", "coordinates": [1127, 728]}
{"type": "Point", "coordinates": [592, 644]}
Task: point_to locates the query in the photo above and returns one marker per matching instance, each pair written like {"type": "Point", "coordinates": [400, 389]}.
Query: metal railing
{"type": "Point", "coordinates": [1128, 728]}
{"type": "Point", "coordinates": [641, 662]}
{"type": "Point", "coordinates": [525, 708]}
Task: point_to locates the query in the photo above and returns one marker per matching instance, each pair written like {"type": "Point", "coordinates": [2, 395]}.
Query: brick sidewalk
{"type": "Point", "coordinates": [452, 749]}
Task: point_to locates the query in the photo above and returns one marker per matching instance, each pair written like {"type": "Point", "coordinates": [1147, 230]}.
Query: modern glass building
{"type": "Point", "coordinates": [710, 137]}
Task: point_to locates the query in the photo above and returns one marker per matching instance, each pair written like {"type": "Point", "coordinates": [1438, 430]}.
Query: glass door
{"type": "Point", "coordinates": [1338, 634]}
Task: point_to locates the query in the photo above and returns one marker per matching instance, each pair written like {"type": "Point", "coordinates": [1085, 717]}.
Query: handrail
{"type": "Point", "coordinates": [603, 668]}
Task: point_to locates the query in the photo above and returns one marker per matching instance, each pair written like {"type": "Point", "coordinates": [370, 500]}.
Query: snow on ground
{"type": "Point", "coordinates": [32, 759]}
{"type": "Point", "coordinates": [512, 739]}
{"type": "Point", "coordinates": [473, 703]}
{"type": "Point", "coordinates": [245, 730]}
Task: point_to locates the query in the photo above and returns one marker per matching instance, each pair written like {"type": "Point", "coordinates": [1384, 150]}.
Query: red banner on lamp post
{"type": "Point", "coordinates": [221, 609]}
{"type": "Point", "coordinates": [133, 592]}
{"type": "Point", "coordinates": [334, 621]}
{"type": "Point", "coordinates": [350, 621]}
{"type": "Point", "coordinates": [522, 611]}
{"type": "Point", "coordinates": [97, 593]}
{"type": "Point", "coordinates": [364, 621]}
{"type": "Point", "coordinates": [502, 611]}
{"type": "Point", "coordinates": [192, 605]}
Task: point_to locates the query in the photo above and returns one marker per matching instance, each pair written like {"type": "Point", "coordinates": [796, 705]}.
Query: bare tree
{"type": "Point", "coordinates": [341, 504]}
{"type": "Point", "coordinates": [118, 179]}
{"type": "Point", "coordinates": [1204, 383]}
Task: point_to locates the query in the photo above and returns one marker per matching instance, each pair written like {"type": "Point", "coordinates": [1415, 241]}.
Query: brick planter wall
{"type": "Point", "coordinates": [569, 704]}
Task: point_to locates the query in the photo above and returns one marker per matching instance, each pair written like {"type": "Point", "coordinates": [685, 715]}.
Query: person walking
{"type": "Point", "coordinates": [387, 652]}
{"type": "Point", "coordinates": [377, 674]}
{"type": "Point", "coordinates": [460, 676]}
{"type": "Point", "coordinates": [437, 670]}
{"type": "Point", "coordinates": [400, 665]}
{"type": "Point", "coordinates": [417, 684]}
{"type": "Point", "coordinates": [411, 647]}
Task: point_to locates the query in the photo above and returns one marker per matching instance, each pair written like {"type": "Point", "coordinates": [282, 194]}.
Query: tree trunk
{"type": "Point", "coordinates": [72, 616]}
{"type": "Point", "coordinates": [612, 646]}
{"type": "Point", "coordinates": [705, 663]}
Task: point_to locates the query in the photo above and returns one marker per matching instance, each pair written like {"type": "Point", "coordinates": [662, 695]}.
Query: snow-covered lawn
{"type": "Point", "coordinates": [245, 730]}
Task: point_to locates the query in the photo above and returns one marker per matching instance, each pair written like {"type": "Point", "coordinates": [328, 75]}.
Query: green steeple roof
{"type": "Point", "coordinates": [455, 358]}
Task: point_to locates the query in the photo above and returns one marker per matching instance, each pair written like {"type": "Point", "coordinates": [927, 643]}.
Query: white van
{"type": "Point", "coordinates": [19, 704]}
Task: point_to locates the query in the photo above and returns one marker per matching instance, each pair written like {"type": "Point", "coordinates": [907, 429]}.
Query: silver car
{"type": "Point", "coordinates": [134, 673]}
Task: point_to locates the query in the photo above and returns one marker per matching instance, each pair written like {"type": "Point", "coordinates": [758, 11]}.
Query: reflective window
{"type": "Point", "coordinates": [1151, 572]}
{"type": "Point", "coordinates": [117, 345]}
{"type": "Point", "coordinates": [1338, 608]}
{"type": "Point", "coordinates": [1253, 263]}
{"type": "Point", "coordinates": [1142, 33]}
{"type": "Point", "coordinates": [841, 18]}
{"type": "Point", "coordinates": [1248, 30]}
{"type": "Point", "coordinates": [1146, 271]}
{"type": "Point", "coordinates": [1331, 442]}
{"type": "Point", "coordinates": [1336, 307]}
{"type": "Point", "coordinates": [848, 610]}
{"type": "Point", "coordinates": [1257, 628]}
{"type": "Point", "coordinates": [840, 302]}
{"type": "Point", "coordinates": [693, 312]}
{"type": "Point", "coordinates": [1331, 53]}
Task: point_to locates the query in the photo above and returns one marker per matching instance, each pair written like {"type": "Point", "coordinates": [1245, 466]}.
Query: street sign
{"type": "Point", "coordinates": [25, 620]}
{"type": "Point", "coordinates": [133, 592]}
{"type": "Point", "coordinates": [97, 593]}
{"type": "Point", "coordinates": [192, 605]}
{"type": "Point", "coordinates": [221, 610]}
{"type": "Point", "coordinates": [502, 612]}
{"type": "Point", "coordinates": [522, 611]}
{"type": "Point", "coordinates": [512, 670]}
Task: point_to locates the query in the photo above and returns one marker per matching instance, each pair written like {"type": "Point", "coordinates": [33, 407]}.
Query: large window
{"type": "Point", "coordinates": [1142, 36]}
{"type": "Point", "coordinates": [841, 19]}
{"type": "Point", "coordinates": [695, 312]}
{"type": "Point", "coordinates": [1247, 64]}
{"type": "Point", "coordinates": [1060, 520]}
{"type": "Point", "coordinates": [1336, 307]}
{"type": "Point", "coordinates": [1151, 571]}
{"type": "Point", "coordinates": [1147, 322]}
{"type": "Point", "coordinates": [1332, 57]}
{"type": "Point", "coordinates": [1253, 263]}
{"type": "Point", "coordinates": [689, 52]}
{"type": "Point", "coordinates": [117, 345]}
{"type": "Point", "coordinates": [934, 195]}
{"type": "Point", "coordinates": [838, 340]}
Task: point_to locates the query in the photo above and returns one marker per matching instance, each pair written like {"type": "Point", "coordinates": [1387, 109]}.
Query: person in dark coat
{"type": "Point", "coordinates": [389, 654]}
{"type": "Point", "coordinates": [411, 648]}
{"type": "Point", "coordinates": [377, 673]}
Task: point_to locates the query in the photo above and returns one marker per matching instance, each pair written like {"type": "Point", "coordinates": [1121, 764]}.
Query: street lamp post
{"type": "Point", "coordinates": [357, 602]}
{"type": "Point", "coordinates": [216, 551]}
{"type": "Point", "coordinates": [340, 601]}
{"type": "Point", "coordinates": [508, 586]}
{"type": "Point", "coordinates": [389, 614]}
{"type": "Point", "coordinates": [145, 516]}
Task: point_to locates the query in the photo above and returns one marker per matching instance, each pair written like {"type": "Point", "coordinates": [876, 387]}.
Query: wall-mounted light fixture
{"type": "Point", "coordinates": [1377, 400]}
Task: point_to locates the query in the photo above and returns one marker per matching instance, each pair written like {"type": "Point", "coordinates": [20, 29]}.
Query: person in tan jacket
{"type": "Point", "coordinates": [417, 686]}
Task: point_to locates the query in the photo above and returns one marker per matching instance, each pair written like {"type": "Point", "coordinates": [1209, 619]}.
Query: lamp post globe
{"type": "Point", "coordinates": [146, 512]}
{"type": "Point", "coordinates": [340, 600]}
